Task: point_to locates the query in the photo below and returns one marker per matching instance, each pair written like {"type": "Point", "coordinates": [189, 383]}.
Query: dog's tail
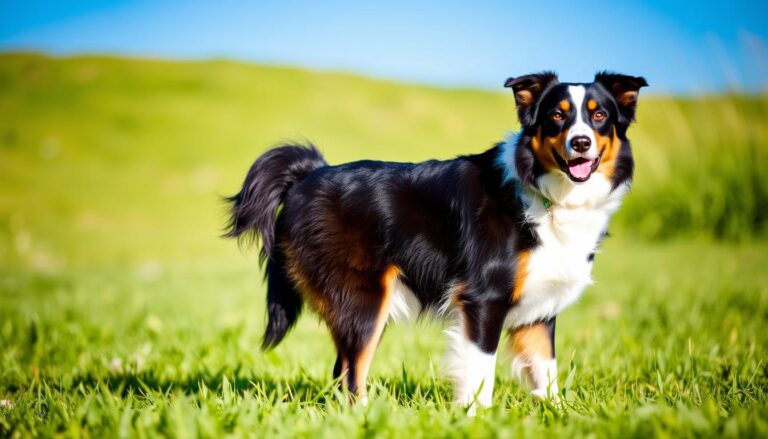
{"type": "Point", "coordinates": [253, 218]}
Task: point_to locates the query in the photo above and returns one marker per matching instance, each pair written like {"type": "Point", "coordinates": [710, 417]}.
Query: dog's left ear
{"type": "Point", "coordinates": [625, 90]}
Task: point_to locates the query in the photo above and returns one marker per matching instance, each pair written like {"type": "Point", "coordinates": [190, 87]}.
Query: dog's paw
{"type": "Point", "coordinates": [544, 394]}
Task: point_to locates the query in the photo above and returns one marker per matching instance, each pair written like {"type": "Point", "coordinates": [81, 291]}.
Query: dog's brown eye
{"type": "Point", "coordinates": [598, 116]}
{"type": "Point", "coordinates": [557, 116]}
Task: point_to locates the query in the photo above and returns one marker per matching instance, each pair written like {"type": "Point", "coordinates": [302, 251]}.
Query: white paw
{"type": "Point", "coordinates": [544, 394]}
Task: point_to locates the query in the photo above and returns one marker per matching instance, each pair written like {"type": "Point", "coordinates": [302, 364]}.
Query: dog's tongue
{"type": "Point", "coordinates": [580, 168]}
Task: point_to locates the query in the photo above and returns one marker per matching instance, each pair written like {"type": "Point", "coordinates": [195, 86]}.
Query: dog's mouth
{"type": "Point", "coordinates": [578, 169]}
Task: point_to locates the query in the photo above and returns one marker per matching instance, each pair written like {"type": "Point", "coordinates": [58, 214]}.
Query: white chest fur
{"type": "Point", "coordinates": [559, 269]}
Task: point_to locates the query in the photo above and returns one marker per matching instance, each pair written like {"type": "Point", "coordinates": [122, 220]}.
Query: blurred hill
{"type": "Point", "coordinates": [105, 160]}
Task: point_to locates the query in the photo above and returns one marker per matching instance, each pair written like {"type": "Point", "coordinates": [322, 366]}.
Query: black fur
{"type": "Point", "coordinates": [439, 221]}
{"type": "Point", "coordinates": [550, 327]}
{"type": "Point", "coordinates": [254, 212]}
{"type": "Point", "coordinates": [284, 302]}
{"type": "Point", "coordinates": [255, 207]}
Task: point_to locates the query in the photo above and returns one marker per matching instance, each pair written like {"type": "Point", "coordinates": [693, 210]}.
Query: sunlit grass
{"type": "Point", "coordinates": [700, 168]}
{"type": "Point", "coordinates": [669, 339]}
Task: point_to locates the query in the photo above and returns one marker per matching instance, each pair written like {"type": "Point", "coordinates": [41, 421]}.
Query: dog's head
{"type": "Point", "coordinates": [575, 129]}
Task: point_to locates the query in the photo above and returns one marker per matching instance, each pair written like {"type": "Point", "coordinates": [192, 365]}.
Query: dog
{"type": "Point", "coordinates": [499, 241]}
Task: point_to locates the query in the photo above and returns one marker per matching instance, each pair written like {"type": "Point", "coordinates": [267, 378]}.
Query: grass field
{"type": "Point", "coordinates": [123, 314]}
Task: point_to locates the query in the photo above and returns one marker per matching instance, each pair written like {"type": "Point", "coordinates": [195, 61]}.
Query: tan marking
{"type": "Point", "coordinates": [523, 259]}
{"type": "Point", "coordinates": [455, 295]}
{"type": "Point", "coordinates": [455, 292]}
{"type": "Point", "coordinates": [627, 98]}
{"type": "Point", "coordinates": [558, 144]}
{"type": "Point", "coordinates": [363, 361]}
{"type": "Point", "coordinates": [543, 149]}
{"type": "Point", "coordinates": [591, 105]}
{"type": "Point", "coordinates": [565, 105]}
{"type": "Point", "coordinates": [524, 98]}
{"type": "Point", "coordinates": [316, 300]}
{"type": "Point", "coordinates": [530, 340]}
{"type": "Point", "coordinates": [609, 147]}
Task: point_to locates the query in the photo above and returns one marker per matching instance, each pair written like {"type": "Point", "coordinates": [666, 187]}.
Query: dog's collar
{"type": "Point", "coordinates": [534, 193]}
{"type": "Point", "coordinates": [547, 205]}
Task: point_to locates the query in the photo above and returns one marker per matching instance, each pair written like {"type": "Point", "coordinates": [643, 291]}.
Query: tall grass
{"type": "Point", "coordinates": [701, 168]}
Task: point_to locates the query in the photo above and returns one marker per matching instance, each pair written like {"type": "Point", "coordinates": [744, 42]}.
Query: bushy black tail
{"type": "Point", "coordinates": [254, 216]}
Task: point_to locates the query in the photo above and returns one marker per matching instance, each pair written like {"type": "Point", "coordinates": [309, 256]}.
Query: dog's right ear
{"type": "Point", "coordinates": [528, 90]}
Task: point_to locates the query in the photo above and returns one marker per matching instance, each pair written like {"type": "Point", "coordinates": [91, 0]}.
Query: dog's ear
{"type": "Point", "coordinates": [625, 90]}
{"type": "Point", "coordinates": [528, 90]}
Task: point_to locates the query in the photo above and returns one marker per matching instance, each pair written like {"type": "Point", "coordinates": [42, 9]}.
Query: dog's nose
{"type": "Point", "coordinates": [581, 143]}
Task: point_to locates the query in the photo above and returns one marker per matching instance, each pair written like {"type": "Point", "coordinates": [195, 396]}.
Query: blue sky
{"type": "Point", "coordinates": [681, 47]}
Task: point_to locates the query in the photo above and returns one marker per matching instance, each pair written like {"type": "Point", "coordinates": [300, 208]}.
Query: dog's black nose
{"type": "Point", "coordinates": [581, 143]}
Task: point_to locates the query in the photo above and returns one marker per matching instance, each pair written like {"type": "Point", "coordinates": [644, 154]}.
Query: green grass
{"type": "Point", "coordinates": [670, 339]}
{"type": "Point", "coordinates": [123, 314]}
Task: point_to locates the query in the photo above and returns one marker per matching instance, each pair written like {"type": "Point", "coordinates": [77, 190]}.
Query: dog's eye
{"type": "Point", "coordinates": [598, 116]}
{"type": "Point", "coordinates": [557, 116]}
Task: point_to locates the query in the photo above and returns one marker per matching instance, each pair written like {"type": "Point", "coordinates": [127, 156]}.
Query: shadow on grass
{"type": "Point", "coordinates": [302, 389]}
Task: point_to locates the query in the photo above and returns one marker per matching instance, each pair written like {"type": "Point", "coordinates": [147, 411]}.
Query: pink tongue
{"type": "Point", "coordinates": [581, 170]}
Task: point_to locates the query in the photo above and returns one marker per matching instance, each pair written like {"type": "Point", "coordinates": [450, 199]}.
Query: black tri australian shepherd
{"type": "Point", "coordinates": [499, 241]}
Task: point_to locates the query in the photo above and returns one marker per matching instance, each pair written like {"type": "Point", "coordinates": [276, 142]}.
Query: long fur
{"type": "Point", "coordinates": [253, 218]}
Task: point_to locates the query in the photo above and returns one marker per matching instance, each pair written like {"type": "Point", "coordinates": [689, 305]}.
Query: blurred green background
{"type": "Point", "coordinates": [123, 312]}
{"type": "Point", "coordinates": [108, 160]}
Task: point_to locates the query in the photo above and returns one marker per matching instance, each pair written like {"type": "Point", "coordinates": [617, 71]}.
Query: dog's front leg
{"type": "Point", "coordinates": [472, 355]}
{"type": "Point", "coordinates": [534, 364]}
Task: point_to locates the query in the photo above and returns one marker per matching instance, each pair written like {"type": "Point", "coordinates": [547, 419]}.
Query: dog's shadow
{"type": "Point", "coordinates": [302, 389]}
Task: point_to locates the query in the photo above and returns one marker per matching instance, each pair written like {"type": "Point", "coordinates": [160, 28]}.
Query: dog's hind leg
{"type": "Point", "coordinates": [357, 327]}
{"type": "Point", "coordinates": [340, 367]}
